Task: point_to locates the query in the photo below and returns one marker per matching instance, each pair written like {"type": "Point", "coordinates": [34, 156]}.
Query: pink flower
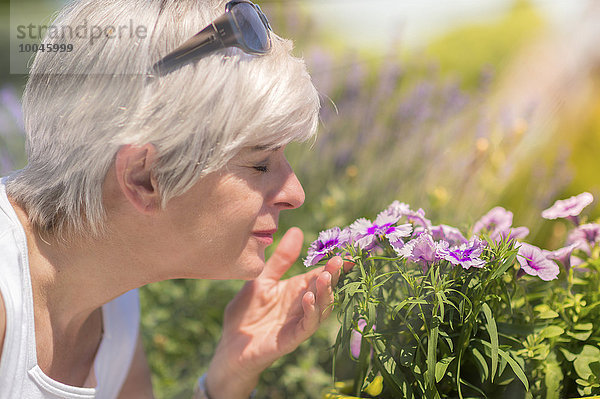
{"type": "Point", "coordinates": [366, 232]}
{"type": "Point", "coordinates": [448, 233]}
{"type": "Point", "coordinates": [356, 338]}
{"type": "Point", "coordinates": [588, 233]}
{"type": "Point", "coordinates": [535, 262]}
{"type": "Point", "coordinates": [497, 221]}
{"type": "Point", "coordinates": [401, 209]}
{"type": "Point", "coordinates": [422, 250]}
{"type": "Point", "coordinates": [563, 255]}
{"type": "Point", "coordinates": [328, 241]}
{"type": "Point", "coordinates": [467, 255]}
{"type": "Point", "coordinates": [568, 208]}
{"type": "Point", "coordinates": [498, 224]}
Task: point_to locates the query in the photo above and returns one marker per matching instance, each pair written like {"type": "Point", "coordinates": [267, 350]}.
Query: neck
{"type": "Point", "coordinates": [71, 281]}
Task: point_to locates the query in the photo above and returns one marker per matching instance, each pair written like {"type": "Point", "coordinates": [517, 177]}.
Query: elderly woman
{"type": "Point", "coordinates": [154, 156]}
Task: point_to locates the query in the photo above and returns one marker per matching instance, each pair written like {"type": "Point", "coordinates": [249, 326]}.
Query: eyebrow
{"type": "Point", "coordinates": [265, 148]}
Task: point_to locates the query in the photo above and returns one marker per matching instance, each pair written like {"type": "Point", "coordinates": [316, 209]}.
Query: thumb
{"type": "Point", "coordinates": [285, 254]}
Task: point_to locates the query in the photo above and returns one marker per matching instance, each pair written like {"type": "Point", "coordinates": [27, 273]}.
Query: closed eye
{"type": "Point", "coordinates": [261, 168]}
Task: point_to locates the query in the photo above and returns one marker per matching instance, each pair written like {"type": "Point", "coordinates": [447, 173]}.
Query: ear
{"type": "Point", "coordinates": [133, 166]}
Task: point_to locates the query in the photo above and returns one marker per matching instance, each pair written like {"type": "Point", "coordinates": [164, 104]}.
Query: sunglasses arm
{"type": "Point", "coordinates": [221, 33]}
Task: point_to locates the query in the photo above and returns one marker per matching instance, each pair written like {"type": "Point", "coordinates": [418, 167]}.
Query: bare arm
{"type": "Point", "coordinates": [138, 384]}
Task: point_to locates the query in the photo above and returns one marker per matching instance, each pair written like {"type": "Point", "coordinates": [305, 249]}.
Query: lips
{"type": "Point", "coordinates": [264, 236]}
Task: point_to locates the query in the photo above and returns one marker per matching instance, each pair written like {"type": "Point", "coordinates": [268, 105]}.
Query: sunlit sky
{"type": "Point", "coordinates": [378, 22]}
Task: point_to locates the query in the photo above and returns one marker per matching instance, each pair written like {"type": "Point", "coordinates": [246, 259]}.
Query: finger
{"type": "Point", "coordinates": [334, 268]}
{"type": "Point", "coordinates": [285, 254]}
{"type": "Point", "coordinates": [348, 265]}
{"type": "Point", "coordinates": [324, 295]}
{"type": "Point", "coordinates": [310, 321]}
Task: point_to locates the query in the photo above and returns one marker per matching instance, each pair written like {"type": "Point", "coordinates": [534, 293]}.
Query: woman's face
{"type": "Point", "coordinates": [222, 225]}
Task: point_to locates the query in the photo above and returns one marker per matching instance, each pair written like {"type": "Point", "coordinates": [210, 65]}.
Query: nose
{"type": "Point", "coordinates": [291, 194]}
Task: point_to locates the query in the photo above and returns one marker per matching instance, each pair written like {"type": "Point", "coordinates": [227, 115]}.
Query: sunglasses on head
{"type": "Point", "coordinates": [243, 25]}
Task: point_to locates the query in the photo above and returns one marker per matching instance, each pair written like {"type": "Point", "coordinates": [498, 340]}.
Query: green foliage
{"type": "Point", "coordinates": [563, 348]}
{"type": "Point", "coordinates": [430, 329]}
{"type": "Point", "coordinates": [181, 324]}
{"type": "Point", "coordinates": [437, 330]}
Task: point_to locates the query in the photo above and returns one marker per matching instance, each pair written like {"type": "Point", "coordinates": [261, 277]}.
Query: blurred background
{"type": "Point", "coordinates": [452, 106]}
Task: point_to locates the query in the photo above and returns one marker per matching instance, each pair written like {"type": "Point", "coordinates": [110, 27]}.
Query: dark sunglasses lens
{"type": "Point", "coordinates": [252, 27]}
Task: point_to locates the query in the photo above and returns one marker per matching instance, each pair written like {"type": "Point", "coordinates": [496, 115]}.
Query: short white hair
{"type": "Point", "coordinates": [81, 107]}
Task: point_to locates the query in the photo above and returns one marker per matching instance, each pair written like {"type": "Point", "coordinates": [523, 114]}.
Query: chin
{"type": "Point", "coordinates": [252, 268]}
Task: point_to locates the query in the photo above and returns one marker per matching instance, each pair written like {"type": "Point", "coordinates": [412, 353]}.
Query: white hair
{"type": "Point", "coordinates": [81, 107]}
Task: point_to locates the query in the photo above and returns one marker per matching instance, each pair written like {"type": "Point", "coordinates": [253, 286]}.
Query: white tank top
{"type": "Point", "coordinates": [20, 375]}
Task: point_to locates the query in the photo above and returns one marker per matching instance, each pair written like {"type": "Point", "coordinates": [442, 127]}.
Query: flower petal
{"type": "Point", "coordinates": [534, 262]}
{"type": "Point", "coordinates": [568, 207]}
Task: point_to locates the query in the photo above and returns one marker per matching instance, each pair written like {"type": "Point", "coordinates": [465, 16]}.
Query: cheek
{"type": "Point", "coordinates": [232, 223]}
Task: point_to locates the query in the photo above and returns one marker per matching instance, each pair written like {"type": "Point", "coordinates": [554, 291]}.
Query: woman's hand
{"type": "Point", "coordinates": [269, 318]}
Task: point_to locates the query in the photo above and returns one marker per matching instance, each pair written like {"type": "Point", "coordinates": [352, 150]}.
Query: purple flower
{"type": "Point", "coordinates": [448, 233]}
{"type": "Point", "coordinates": [535, 263]}
{"type": "Point", "coordinates": [328, 241]}
{"type": "Point", "coordinates": [422, 250]}
{"type": "Point", "coordinates": [498, 220]}
{"type": "Point", "coordinates": [518, 233]}
{"type": "Point", "coordinates": [585, 236]}
{"type": "Point", "coordinates": [568, 208]}
{"type": "Point", "coordinates": [398, 209]}
{"type": "Point", "coordinates": [467, 255]}
{"type": "Point", "coordinates": [498, 224]}
{"type": "Point", "coordinates": [366, 232]}
{"type": "Point", "coordinates": [588, 234]}
{"type": "Point", "coordinates": [401, 209]}
{"type": "Point", "coordinates": [563, 255]}
{"type": "Point", "coordinates": [356, 338]}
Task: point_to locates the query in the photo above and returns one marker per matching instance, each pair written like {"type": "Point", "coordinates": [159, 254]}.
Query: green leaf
{"type": "Point", "coordinates": [553, 377]}
{"type": "Point", "coordinates": [568, 355]}
{"type": "Point", "coordinates": [589, 354]}
{"type": "Point", "coordinates": [581, 336]}
{"type": "Point", "coordinates": [408, 301]}
{"type": "Point", "coordinates": [507, 264]}
{"type": "Point", "coordinates": [352, 288]}
{"type": "Point", "coordinates": [516, 368]}
{"type": "Point", "coordinates": [441, 366]}
{"type": "Point", "coordinates": [583, 326]}
{"type": "Point", "coordinates": [548, 314]}
{"type": "Point", "coordinates": [440, 301]}
{"type": "Point", "coordinates": [473, 387]}
{"type": "Point", "coordinates": [493, 332]}
{"type": "Point", "coordinates": [447, 340]}
{"type": "Point", "coordinates": [481, 363]}
{"type": "Point", "coordinates": [551, 332]}
{"type": "Point", "coordinates": [431, 356]}
{"type": "Point", "coordinates": [371, 308]}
